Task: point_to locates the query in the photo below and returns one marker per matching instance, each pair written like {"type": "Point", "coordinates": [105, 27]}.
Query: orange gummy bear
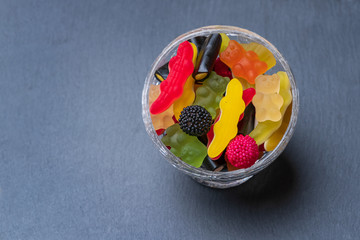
{"type": "Point", "coordinates": [244, 64]}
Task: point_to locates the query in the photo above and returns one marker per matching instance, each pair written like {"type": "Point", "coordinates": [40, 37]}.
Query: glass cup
{"type": "Point", "coordinates": [203, 176]}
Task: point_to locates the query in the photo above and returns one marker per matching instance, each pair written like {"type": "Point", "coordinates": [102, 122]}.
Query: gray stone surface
{"type": "Point", "coordinates": [76, 162]}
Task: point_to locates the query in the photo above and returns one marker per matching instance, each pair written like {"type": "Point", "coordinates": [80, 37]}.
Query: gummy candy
{"type": "Point", "coordinates": [162, 72]}
{"type": "Point", "coordinates": [164, 119]}
{"type": "Point", "coordinates": [188, 95]}
{"type": "Point", "coordinates": [242, 151]}
{"type": "Point", "coordinates": [264, 130]}
{"type": "Point", "coordinates": [187, 148]}
{"type": "Point", "coordinates": [211, 92]}
{"type": "Point", "coordinates": [244, 64]}
{"type": "Point", "coordinates": [245, 83]}
{"type": "Point", "coordinates": [221, 69]}
{"type": "Point", "coordinates": [207, 56]}
{"type": "Point", "coordinates": [195, 120]}
{"type": "Point", "coordinates": [276, 137]}
{"type": "Point", "coordinates": [181, 67]}
{"type": "Point", "coordinates": [231, 107]}
{"type": "Point", "coordinates": [224, 42]}
{"type": "Point", "coordinates": [267, 100]}
{"type": "Point", "coordinates": [263, 53]}
{"type": "Point", "coordinates": [247, 95]}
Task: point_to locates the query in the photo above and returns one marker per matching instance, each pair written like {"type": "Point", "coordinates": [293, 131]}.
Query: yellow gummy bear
{"type": "Point", "coordinates": [264, 130]}
{"type": "Point", "coordinates": [188, 95]}
{"type": "Point", "coordinates": [231, 107]}
{"type": "Point", "coordinates": [164, 119]}
{"type": "Point", "coordinates": [267, 100]}
{"type": "Point", "coordinates": [276, 137]}
{"type": "Point", "coordinates": [263, 53]}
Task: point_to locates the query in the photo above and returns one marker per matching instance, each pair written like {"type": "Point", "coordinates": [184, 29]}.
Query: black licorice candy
{"type": "Point", "coordinates": [162, 73]}
{"type": "Point", "coordinates": [212, 165]}
{"type": "Point", "coordinates": [207, 56]}
{"type": "Point", "coordinates": [246, 125]}
{"type": "Point", "coordinates": [198, 41]}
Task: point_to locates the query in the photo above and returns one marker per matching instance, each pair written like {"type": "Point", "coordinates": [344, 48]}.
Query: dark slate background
{"type": "Point", "coordinates": [77, 163]}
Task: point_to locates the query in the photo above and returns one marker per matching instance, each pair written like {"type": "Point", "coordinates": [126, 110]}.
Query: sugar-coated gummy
{"type": "Point", "coordinates": [195, 120]}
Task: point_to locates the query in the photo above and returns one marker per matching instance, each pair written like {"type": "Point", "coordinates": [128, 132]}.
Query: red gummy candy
{"type": "Point", "coordinates": [242, 151]}
{"type": "Point", "coordinates": [222, 69]}
{"type": "Point", "coordinates": [248, 95]}
{"type": "Point", "coordinates": [160, 131]}
{"type": "Point", "coordinates": [181, 67]}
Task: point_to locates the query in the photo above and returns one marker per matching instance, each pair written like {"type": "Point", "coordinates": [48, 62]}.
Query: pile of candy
{"type": "Point", "coordinates": [215, 108]}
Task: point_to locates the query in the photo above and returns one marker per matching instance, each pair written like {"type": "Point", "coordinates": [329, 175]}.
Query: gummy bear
{"type": "Point", "coordinates": [188, 95]}
{"type": "Point", "coordinates": [276, 137]}
{"type": "Point", "coordinates": [244, 64]}
{"type": "Point", "coordinates": [187, 148]}
{"type": "Point", "coordinates": [181, 67]}
{"type": "Point", "coordinates": [211, 92]}
{"type": "Point", "coordinates": [267, 100]}
{"type": "Point", "coordinates": [231, 107]}
{"type": "Point", "coordinates": [264, 130]}
{"type": "Point", "coordinates": [263, 53]}
{"type": "Point", "coordinates": [164, 119]}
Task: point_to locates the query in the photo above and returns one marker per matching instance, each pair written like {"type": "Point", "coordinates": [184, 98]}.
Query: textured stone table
{"type": "Point", "coordinates": [76, 162]}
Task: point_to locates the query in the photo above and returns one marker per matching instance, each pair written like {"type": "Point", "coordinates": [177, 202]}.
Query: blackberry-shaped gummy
{"type": "Point", "coordinates": [195, 120]}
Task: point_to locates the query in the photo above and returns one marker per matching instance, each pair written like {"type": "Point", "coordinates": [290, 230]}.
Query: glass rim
{"type": "Point", "coordinates": [259, 165]}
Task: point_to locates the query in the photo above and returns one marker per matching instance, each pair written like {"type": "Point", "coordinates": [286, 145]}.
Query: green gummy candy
{"type": "Point", "coordinates": [187, 148]}
{"type": "Point", "coordinates": [211, 92]}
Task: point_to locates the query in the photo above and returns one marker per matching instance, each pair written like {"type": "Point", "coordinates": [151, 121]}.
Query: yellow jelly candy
{"type": "Point", "coordinates": [162, 120]}
{"type": "Point", "coordinates": [245, 84]}
{"type": "Point", "coordinates": [188, 95]}
{"type": "Point", "coordinates": [267, 100]}
{"type": "Point", "coordinates": [264, 130]}
{"type": "Point", "coordinates": [224, 42]}
{"type": "Point", "coordinates": [263, 53]}
{"type": "Point", "coordinates": [231, 107]}
{"type": "Point", "coordinates": [276, 137]}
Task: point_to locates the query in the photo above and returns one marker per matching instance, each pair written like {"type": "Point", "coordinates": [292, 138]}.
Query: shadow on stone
{"type": "Point", "coordinates": [275, 183]}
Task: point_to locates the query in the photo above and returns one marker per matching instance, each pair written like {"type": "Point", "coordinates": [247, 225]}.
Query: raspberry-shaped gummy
{"type": "Point", "coordinates": [242, 151]}
{"type": "Point", "coordinates": [195, 120]}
